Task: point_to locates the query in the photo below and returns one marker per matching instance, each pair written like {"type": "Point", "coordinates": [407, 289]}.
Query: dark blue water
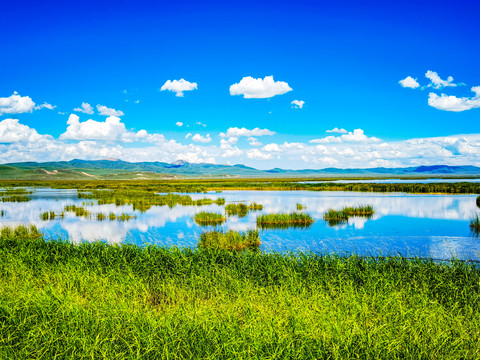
{"type": "Point", "coordinates": [406, 224]}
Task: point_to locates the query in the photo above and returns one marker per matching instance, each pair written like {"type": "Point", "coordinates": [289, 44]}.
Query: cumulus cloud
{"type": "Point", "coordinates": [178, 86]}
{"type": "Point", "coordinates": [453, 103]}
{"type": "Point", "coordinates": [16, 104]}
{"type": "Point", "coordinates": [252, 88]}
{"type": "Point", "coordinates": [179, 123]}
{"type": "Point", "coordinates": [188, 135]}
{"type": "Point", "coordinates": [202, 139]}
{"type": "Point", "coordinates": [358, 135]}
{"type": "Point", "coordinates": [86, 108]}
{"type": "Point", "coordinates": [337, 130]}
{"type": "Point", "coordinates": [237, 132]}
{"type": "Point", "coordinates": [256, 154]}
{"type": "Point", "coordinates": [11, 131]}
{"type": "Point", "coordinates": [103, 110]}
{"type": "Point", "coordinates": [112, 129]}
{"type": "Point", "coordinates": [298, 104]}
{"type": "Point", "coordinates": [436, 82]}
{"type": "Point", "coordinates": [409, 82]}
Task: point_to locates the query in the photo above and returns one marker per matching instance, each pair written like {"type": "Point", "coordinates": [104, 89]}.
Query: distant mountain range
{"type": "Point", "coordinates": [118, 169]}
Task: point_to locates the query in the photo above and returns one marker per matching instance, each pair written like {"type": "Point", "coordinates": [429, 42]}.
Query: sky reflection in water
{"type": "Point", "coordinates": [413, 225]}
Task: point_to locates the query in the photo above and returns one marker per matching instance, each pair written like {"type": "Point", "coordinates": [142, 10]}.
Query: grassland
{"type": "Point", "coordinates": [61, 300]}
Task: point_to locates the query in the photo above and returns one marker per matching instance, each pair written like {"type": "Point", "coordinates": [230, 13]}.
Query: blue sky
{"type": "Point", "coordinates": [343, 59]}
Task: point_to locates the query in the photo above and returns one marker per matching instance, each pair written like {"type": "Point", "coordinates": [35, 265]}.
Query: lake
{"type": "Point", "coordinates": [433, 226]}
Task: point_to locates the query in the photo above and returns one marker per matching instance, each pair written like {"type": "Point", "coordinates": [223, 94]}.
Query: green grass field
{"type": "Point", "coordinates": [60, 300]}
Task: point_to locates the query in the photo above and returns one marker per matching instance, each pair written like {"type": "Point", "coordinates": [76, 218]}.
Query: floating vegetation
{"type": "Point", "coordinates": [14, 191]}
{"type": "Point", "coordinates": [201, 202]}
{"type": "Point", "coordinates": [101, 217]}
{"type": "Point", "coordinates": [253, 206]}
{"type": "Point", "coordinates": [48, 215]}
{"type": "Point", "coordinates": [78, 210]}
{"type": "Point", "coordinates": [209, 218]}
{"type": "Point", "coordinates": [220, 201]}
{"type": "Point", "coordinates": [475, 225]}
{"type": "Point", "coordinates": [300, 207]}
{"type": "Point", "coordinates": [3, 213]}
{"type": "Point", "coordinates": [230, 240]}
{"type": "Point", "coordinates": [16, 198]}
{"type": "Point", "coordinates": [340, 217]}
{"type": "Point", "coordinates": [141, 200]}
{"type": "Point", "coordinates": [294, 219]}
{"type": "Point", "coordinates": [239, 210]}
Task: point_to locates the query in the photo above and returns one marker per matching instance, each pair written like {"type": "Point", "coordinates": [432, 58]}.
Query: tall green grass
{"type": "Point", "coordinates": [230, 240]}
{"type": "Point", "coordinates": [209, 218]}
{"type": "Point", "coordinates": [94, 300]}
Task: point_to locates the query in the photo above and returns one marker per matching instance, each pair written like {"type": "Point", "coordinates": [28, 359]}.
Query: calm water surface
{"type": "Point", "coordinates": [408, 224]}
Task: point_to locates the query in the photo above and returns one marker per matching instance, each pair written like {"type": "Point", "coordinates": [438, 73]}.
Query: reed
{"type": "Point", "coordinates": [338, 217]}
{"type": "Point", "coordinates": [48, 215]}
{"type": "Point", "coordinates": [209, 218]}
{"type": "Point", "coordinates": [220, 201]}
{"type": "Point", "coordinates": [230, 240]}
{"type": "Point", "coordinates": [475, 224]}
{"type": "Point", "coordinates": [282, 218]}
{"type": "Point", "coordinates": [300, 207]}
{"type": "Point", "coordinates": [78, 210]}
{"type": "Point", "coordinates": [253, 206]}
{"type": "Point", "coordinates": [15, 198]}
{"type": "Point", "coordinates": [239, 210]}
{"type": "Point", "coordinates": [478, 201]}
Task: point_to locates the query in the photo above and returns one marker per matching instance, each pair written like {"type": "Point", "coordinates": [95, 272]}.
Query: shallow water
{"type": "Point", "coordinates": [408, 224]}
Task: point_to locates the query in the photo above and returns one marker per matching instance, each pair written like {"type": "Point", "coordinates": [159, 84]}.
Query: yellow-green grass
{"type": "Point", "coordinates": [300, 207]}
{"type": "Point", "coordinates": [253, 206]}
{"type": "Point", "coordinates": [209, 218]}
{"type": "Point", "coordinates": [78, 210]}
{"type": "Point", "coordinates": [230, 240]}
{"type": "Point", "coordinates": [475, 224]}
{"type": "Point", "coordinates": [15, 198]}
{"type": "Point", "coordinates": [94, 300]}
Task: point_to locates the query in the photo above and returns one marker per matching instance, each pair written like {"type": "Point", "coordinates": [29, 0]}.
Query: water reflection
{"type": "Point", "coordinates": [406, 224]}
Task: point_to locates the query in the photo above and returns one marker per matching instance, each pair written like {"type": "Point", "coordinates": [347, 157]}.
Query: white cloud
{"type": "Point", "coordinates": [409, 82]}
{"type": "Point", "coordinates": [103, 110]}
{"type": "Point", "coordinates": [200, 123]}
{"type": "Point", "coordinates": [337, 130]}
{"type": "Point", "coordinates": [436, 82]}
{"type": "Point", "coordinates": [112, 129]}
{"type": "Point", "coordinates": [357, 135]}
{"type": "Point", "coordinates": [253, 141]}
{"type": "Point", "coordinates": [453, 103]}
{"type": "Point", "coordinates": [251, 88]}
{"type": "Point", "coordinates": [11, 131]}
{"type": "Point", "coordinates": [86, 108]}
{"type": "Point", "coordinates": [179, 123]}
{"type": "Point", "coordinates": [188, 135]}
{"type": "Point", "coordinates": [298, 103]}
{"type": "Point", "coordinates": [16, 104]}
{"type": "Point", "coordinates": [256, 154]}
{"type": "Point", "coordinates": [202, 139]}
{"type": "Point", "coordinates": [237, 132]}
{"type": "Point", "coordinates": [178, 86]}
{"type": "Point", "coordinates": [45, 106]}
